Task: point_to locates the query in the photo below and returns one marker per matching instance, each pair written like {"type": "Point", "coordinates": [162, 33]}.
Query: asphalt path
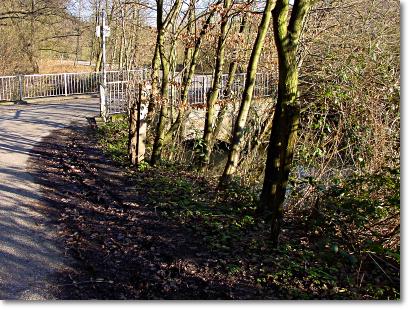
{"type": "Point", "coordinates": [29, 254]}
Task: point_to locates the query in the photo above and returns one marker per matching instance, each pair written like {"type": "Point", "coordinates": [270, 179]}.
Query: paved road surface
{"type": "Point", "coordinates": [28, 254]}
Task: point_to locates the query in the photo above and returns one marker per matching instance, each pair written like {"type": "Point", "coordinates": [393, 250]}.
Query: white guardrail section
{"type": "Point", "coordinates": [9, 88]}
{"type": "Point", "coordinates": [120, 85]}
{"type": "Point", "coordinates": [116, 97]}
{"type": "Point", "coordinates": [118, 93]}
{"type": "Point", "coordinates": [201, 85]}
{"type": "Point", "coordinates": [62, 84]}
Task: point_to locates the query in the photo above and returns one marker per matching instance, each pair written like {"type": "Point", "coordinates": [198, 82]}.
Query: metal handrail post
{"type": "Point", "coordinates": [20, 77]}
{"type": "Point", "coordinates": [65, 85]}
{"type": "Point", "coordinates": [204, 88]}
{"type": "Point", "coordinates": [103, 85]}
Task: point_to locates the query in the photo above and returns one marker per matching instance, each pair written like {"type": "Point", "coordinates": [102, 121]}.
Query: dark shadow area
{"type": "Point", "coordinates": [123, 247]}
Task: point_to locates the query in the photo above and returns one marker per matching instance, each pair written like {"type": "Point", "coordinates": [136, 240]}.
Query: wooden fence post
{"type": "Point", "coordinates": [137, 131]}
{"type": "Point", "coordinates": [141, 128]}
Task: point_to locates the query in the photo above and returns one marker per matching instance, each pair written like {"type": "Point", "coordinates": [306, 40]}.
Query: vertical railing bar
{"type": "Point", "coordinates": [27, 89]}
{"type": "Point", "coordinates": [58, 82]}
{"type": "Point", "coordinates": [54, 88]}
{"type": "Point", "coordinates": [81, 84]}
{"type": "Point", "coordinates": [45, 87]}
{"type": "Point", "coordinates": [73, 84]}
{"type": "Point", "coordinates": [65, 84]}
{"type": "Point", "coordinates": [20, 87]}
{"type": "Point", "coordinates": [48, 86]}
{"type": "Point", "coordinates": [69, 84]}
{"type": "Point", "coordinates": [76, 84]}
{"type": "Point", "coordinates": [40, 87]}
{"type": "Point", "coordinates": [7, 83]}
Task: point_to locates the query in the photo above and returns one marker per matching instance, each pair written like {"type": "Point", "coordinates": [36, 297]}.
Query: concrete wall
{"type": "Point", "coordinates": [196, 122]}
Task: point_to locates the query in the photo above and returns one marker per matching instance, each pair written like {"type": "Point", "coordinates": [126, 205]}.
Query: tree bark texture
{"type": "Point", "coordinates": [286, 118]}
{"type": "Point", "coordinates": [238, 134]}
{"type": "Point", "coordinates": [134, 137]}
{"type": "Point", "coordinates": [216, 86]}
{"type": "Point", "coordinates": [163, 27]}
{"type": "Point", "coordinates": [227, 92]}
{"type": "Point", "coordinates": [183, 111]}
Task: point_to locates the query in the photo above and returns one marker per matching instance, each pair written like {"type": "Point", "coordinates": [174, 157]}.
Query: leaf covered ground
{"type": "Point", "coordinates": [166, 233]}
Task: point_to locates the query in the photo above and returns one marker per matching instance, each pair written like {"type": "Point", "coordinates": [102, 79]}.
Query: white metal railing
{"type": "Point", "coordinates": [116, 97]}
{"type": "Point", "coordinates": [120, 89]}
{"type": "Point", "coordinates": [119, 93]}
{"type": "Point", "coordinates": [201, 85]}
{"type": "Point", "coordinates": [62, 84]}
{"type": "Point", "coordinates": [9, 88]}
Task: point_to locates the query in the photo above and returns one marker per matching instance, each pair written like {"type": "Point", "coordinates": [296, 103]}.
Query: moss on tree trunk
{"type": "Point", "coordinates": [216, 86]}
{"type": "Point", "coordinates": [286, 119]}
{"type": "Point", "coordinates": [238, 134]}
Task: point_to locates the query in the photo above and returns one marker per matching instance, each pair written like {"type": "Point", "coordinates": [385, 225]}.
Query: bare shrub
{"type": "Point", "coordinates": [351, 89]}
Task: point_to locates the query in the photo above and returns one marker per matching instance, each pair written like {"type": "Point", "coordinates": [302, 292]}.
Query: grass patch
{"type": "Point", "coordinates": [113, 138]}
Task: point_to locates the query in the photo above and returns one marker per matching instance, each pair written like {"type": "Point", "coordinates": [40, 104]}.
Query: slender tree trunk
{"type": "Point", "coordinates": [224, 108]}
{"type": "Point", "coordinates": [227, 92]}
{"type": "Point", "coordinates": [183, 112]}
{"type": "Point", "coordinates": [156, 65]}
{"type": "Point", "coordinates": [160, 132]}
{"type": "Point", "coordinates": [94, 45]}
{"type": "Point", "coordinates": [165, 66]}
{"type": "Point", "coordinates": [98, 63]}
{"type": "Point", "coordinates": [286, 118]}
{"type": "Point", "coordinates": [187, 74]}
{"type": "Point", "coordinates": [216, 86]}
{"type": "Point", "coordinates": [114, 48]}
{"type": "Point", "coordinates": [77, 47]}
{"type": "Point", "coordinates": [31, 51]}
{"type": "Point", "coordinates": [238, 134]}
{"type": "Point", "coordinates": [132, 45]}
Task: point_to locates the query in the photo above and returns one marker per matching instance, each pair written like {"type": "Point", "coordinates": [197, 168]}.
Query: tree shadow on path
{"type": "Point", "coordinates": [122, 248]}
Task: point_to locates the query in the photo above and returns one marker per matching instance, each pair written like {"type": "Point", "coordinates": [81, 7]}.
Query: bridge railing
{"type": "Point", "coordinates": [21, 87]}
{"type": "Point", "coordinates": [117, 97]}
{"type": "Point", "coordinates": [118, 94]}
{"type": "Point", "coordinates": [9, 88]}
{"type": "Point", "coordinates": [201, 85]}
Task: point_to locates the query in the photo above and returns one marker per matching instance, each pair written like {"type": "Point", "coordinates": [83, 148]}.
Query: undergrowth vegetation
{"type": "Point", "coordinates": [340, 235]}
{"type": "Point", "coordinates": [345, 246]}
